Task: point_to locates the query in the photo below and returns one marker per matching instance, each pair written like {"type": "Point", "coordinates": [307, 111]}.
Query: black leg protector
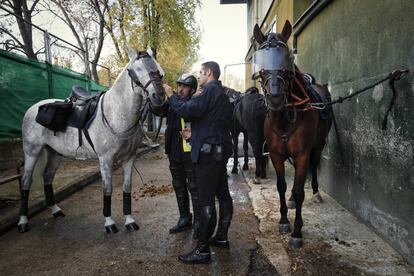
{"type": "Point", "coordinates": [24, 197]}
{"type": "Point", "coordinates": [127, 203]}
{"type": "Point", "coordinates": [180, 187]}
{"type": "Point", "coordinates": [50, 197]}
{"type": "Point", "coordinates": [226, 214]}
{"type": "Point", "coordinates": [189, 171]}
{"type": "Point", "coordinates": [208, 219]}
{"type": "Point", "coordinates": [107, 206]}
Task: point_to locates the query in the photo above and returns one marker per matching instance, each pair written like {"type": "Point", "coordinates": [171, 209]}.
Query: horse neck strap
{"type": "Point", "coordinates": [123, 135]}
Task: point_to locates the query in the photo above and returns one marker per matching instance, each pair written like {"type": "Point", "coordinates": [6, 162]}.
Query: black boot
{"type": "Point", "coordinates": [196, 229]}
{"type": "Point", "coordinates": [183, 224]}
{"type": "Point", "coordinates": [221, 237]}
{"type": "Point", "coordinates": [196, 212]}
{"type": "Point", "coordinates": [192, 187]}
{"type": "Point", "coordinates": [201, 254]}
{"type": "Point", "coordinates": [185, 221]}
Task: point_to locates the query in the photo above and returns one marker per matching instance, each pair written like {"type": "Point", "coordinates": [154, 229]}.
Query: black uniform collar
{"type": "Point", "coordinates": [213, 82]}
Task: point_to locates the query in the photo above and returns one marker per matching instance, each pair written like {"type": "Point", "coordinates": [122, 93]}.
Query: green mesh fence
{"type": "Point", "coordinates": [23, 82]}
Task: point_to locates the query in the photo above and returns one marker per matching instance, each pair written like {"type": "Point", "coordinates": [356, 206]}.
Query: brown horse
{"type": "Point", "coordinates": [293, 128]}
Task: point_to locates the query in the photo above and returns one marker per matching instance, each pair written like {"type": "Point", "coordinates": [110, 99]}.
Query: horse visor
{"type": "Point", "coordinates": [151, 66]}
{"type": "Point", "coordinates": [271, 59]}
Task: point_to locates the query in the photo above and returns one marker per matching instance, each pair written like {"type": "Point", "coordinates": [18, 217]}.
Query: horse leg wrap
{"type": "Point", "coordinates": [50, 197]}
{"type": "Point", "coordinates": [127, 203]}
{"type": "Point", "coordinates": [24, 197]}
{"type": "Point", "coordinates": [107, 206]}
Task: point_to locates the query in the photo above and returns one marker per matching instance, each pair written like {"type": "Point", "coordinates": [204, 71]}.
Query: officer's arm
{"type": "Point", "coordinates": [191, 109]}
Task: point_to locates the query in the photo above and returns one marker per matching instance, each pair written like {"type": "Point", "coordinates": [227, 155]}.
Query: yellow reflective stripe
{"type": "Point", "coordinates": [186, 145]}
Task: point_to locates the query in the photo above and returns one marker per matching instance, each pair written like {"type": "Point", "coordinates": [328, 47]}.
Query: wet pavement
{"type": "Point", "coordinates": [77, 243]}
{"type": "Point", "coordinates": [334, 241]}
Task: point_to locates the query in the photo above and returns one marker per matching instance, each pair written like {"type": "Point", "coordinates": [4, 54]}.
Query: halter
{"type": "Point", "coordinates": [155, 76]}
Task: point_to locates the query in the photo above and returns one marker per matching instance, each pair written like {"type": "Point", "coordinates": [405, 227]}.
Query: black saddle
{"type": "Point", "coordinates": [80, 93]}
{"type": "Point", "coordinates": [58, 115]}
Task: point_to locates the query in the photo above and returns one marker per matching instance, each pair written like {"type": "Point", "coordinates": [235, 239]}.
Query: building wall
{"type": "Point", "coordinates": [350, 45]}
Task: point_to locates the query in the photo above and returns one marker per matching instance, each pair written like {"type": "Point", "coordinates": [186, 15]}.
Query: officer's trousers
{"type": "Point", "coordinates": [211, 179]}
{"type": "Point", "coordinates": [183, 180]}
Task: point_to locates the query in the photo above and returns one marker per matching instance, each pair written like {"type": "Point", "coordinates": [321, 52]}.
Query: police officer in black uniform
{"type": "Point", "coordinates": [181, 166]}
{"type": "Point", "coordinates": [210, 114]}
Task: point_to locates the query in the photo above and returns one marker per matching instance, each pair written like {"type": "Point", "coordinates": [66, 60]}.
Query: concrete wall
{"type": "Point", "coordinates": [349, 45]}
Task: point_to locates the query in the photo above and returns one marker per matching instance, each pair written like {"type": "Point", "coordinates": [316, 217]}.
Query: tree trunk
{"type": "Point", "coordinates": [20, 8]}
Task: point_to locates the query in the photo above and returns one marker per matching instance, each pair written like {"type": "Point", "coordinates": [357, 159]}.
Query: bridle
{"type": "Point", "coordinates": [288, 78]}
{"type": "Point", "coordinates": [155, 77]}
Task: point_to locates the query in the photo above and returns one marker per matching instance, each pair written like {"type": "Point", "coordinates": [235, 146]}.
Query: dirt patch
{"type": "Point", "coordinates": [317, 258]}
{"type": "Point", "coordinates": [150, 190]}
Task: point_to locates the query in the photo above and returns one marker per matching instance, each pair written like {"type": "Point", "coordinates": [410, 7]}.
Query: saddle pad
{"type": "Point", "coordinates": [54, 115]}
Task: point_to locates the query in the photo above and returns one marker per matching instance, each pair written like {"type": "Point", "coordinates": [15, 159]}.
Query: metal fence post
{"type": "Point", "coordinates": [86, 61]}
{"type": "Point", "coordinates": [109, 78]}
{"type": "Point", "coordinates": [48, 63]}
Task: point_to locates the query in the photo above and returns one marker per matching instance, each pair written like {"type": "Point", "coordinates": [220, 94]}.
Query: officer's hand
{"type": "Point", "coordinates": [186, 133]}
{"type": "Point", "coordinates": [168, 90]}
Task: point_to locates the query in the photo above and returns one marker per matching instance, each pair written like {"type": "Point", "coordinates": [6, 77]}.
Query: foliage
{"type": "Point", "coordinates": [167, 27]}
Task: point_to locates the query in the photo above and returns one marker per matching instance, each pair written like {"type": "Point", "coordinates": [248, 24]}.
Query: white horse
{"type": "Point", "coordinates": [115, 133]}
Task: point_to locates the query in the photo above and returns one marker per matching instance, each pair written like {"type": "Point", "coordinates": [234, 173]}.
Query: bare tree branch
{"type": "Point", "coordinates": [12, 36]}
{"type": "Point", "coordinates": [34, 5]}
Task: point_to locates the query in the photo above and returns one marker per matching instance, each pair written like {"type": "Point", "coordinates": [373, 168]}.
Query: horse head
{"type": "Point", "coordinates": [273, 64]}
{"type": "Point", "coordinates": [147, 74]}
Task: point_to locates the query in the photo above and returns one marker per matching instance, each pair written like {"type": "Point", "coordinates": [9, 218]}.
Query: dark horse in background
{"type": "Point", "coordinates": [293, 128]}
{"type": "Point", "coordinates": [248, 118]}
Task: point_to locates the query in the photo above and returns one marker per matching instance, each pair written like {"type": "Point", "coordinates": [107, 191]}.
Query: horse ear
{"type": "Point", "coordinates": [287, 31]}
{"type": "Point", "coordinates": [258, 35]}
{"type": "Point", "coordinates": [132, 54]}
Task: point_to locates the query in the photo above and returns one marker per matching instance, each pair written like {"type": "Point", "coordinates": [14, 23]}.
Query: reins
{"type": "Point", "coordinates": [130, 132]}
{"type": "Point", "coordinates": [391, 77]}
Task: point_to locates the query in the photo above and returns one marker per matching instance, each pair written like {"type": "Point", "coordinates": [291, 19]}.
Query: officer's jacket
{"type": "Point", "coordinates": [173, 139]}
{"type": "Point", "coordinates": [210, 114]}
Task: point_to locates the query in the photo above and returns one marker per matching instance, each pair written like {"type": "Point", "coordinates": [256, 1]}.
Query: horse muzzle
{"type": "Point", "coordinates": [275, 103]}
{"type": "Point", "coordinates": [157, 95]}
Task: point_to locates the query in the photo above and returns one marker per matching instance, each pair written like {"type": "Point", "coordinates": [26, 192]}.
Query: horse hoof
{"type": "Point", "coordinates": [132, 226]}
{"type": "Point", "coordinates": [245, 167]}
{"type": "Point", "coordinates": [291, 204]}
{"type": "Point", "coordinates": [317, 198]}
{"type": "Point", "coordinates": [256, 180]}
{"type": "Point", "coordinates": [59, 214]}
{"type": "Point", "coordinates": [234, 170]}
{"type": "Point", "coordinates": [284, 228]}
{"type": "Point", "coordinates": [111, 229]}
{"type": "Point", "coordinates": [295, 243]}
{"type": "Point", "coordinates": [24, 227]}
